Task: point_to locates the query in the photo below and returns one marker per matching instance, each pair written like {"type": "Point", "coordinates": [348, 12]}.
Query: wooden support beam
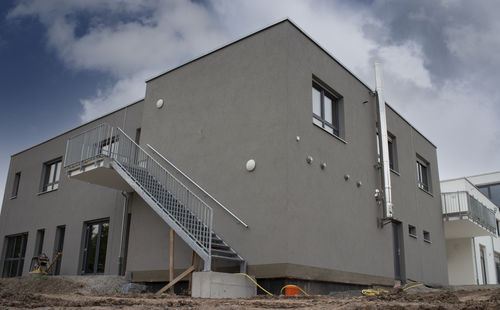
{"type": "Point", "coordinates": [171, 284]}
{"type": "Point", "coordinates": [171, 268]}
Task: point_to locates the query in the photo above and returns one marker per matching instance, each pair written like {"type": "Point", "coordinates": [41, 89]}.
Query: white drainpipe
{"type": "Point", "coordinates": [383, 138]}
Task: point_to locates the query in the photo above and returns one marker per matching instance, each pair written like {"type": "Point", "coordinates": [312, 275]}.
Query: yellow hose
{"type": "Point", "coordinates": [254, 282]}
{"type": "Point", "coordinates": [244, 274]}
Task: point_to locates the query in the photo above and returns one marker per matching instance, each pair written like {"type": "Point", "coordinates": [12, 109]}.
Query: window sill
{"type": "Point", "coordinates": [45, 192]}
{"type": "Point", "coordinates": [413, 236]}
{"type": "Point", "coordinates": [427, 241]}
{"type": "Point", "coordinates": [331, 134]}
{"type": "Point", "coordinates": [425, 191]}
{"type": "Point", "coordinates": [13, 197]}
{"type": "Point", "coordinates": [395, 172]}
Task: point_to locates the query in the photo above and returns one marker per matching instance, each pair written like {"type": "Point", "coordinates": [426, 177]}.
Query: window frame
{"type": "Point", "coordinates": [393, 155]}
{"type": "Point", "coordinates": [412, 231]}
{"type": "Point", "coordinates": [19, 257]}
{"type": "Point", "coordinates": [335, 98]}
{"type": "Point", "coordinates": [48, 180]}
{"type": "Point", "coordinates": [423, 181]}
{"type": "Point", "coordinates": [15, 186]}
{"type": "Point", "coordinates": [427, 236]}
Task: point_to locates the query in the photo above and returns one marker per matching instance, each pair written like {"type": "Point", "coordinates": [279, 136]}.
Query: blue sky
{"type": "Point", "coordinates": [67, 62]}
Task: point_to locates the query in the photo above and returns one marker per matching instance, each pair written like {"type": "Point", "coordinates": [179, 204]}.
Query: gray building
{"type": "Point", "coordinates": [281, 140]}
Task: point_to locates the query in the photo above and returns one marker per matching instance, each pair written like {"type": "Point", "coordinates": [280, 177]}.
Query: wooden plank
{"type": "Point", "coordinates": [180, 277]}
{"type": "Point", "coordinates": [171, 268]}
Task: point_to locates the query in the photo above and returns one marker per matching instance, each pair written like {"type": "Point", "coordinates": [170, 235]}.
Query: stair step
{"type": "Point", "coordinates": [228, 253]}
{"type": "Point", "coordinates": [236, 259]}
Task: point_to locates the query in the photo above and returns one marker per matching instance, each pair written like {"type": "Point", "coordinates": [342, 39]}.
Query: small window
{"type": "Point", "coordinates": [427, 236]}
{"type": "Point", "coordinates": [412, 231]}
{"type": "Point", "coordinates": [423, 174]}
{"type": "Point", "coordinates": [51, 175]}
{"type": "Point", "coordinates": [15, 187]}
{"type": "Point", "coordinates": [325, 108]}
{"type": "Point", "coordinates": [393, 155]}
{"type": "Point", "coordinates": [40, 235]}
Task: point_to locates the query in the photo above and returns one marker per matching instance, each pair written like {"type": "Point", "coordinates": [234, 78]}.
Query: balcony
{"type": "Point", "coordinates": [465, 216]}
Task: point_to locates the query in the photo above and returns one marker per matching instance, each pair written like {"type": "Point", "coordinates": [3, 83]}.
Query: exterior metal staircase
{"type": "Point", "coordinates": [189, 216]}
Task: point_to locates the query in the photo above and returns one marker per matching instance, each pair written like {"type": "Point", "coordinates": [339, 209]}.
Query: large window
{"type": "Point", "coordinates": [423, 174]}
{"type": "Point", "coordinates": [492, 191]}
{"type": "Point", "coordinates": [15, 250]}
{"type": "Point", "coordinates": [51, 175]}
{"type": "Point", "coordinates": [325, 109]}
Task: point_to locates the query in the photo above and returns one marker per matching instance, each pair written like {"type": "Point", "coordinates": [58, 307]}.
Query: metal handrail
{"type": "Point", "coordinates": [462, 203]}
{"type": "Point", "coordinates": [183, 206]}
{"type": "Point", "coordinates": [198, 186]}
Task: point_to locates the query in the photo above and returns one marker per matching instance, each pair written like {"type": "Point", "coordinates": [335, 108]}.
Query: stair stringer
{"type": "Point", "coordinates": [180, 231]}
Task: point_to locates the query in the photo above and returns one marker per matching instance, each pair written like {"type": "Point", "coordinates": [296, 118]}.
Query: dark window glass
{"type": "Point", "coordinates": [485, 190]}
{"type": "Point", "coordinates": [15, 187]}
{"type": "Point", "coordinates": [15, 250]}
{"type": "Point", "coordinates": [40, 234]}
{"type": "Point", "coordinates": [427, 236]}
{"type": "Point", "coordinates": [58, 247]}
{"type": "Point", "coordinates": [495, 194]}
{"type": "Point", "coordinates": [412, 231]}
{"type": "Point", "coordinates": [325, 109]}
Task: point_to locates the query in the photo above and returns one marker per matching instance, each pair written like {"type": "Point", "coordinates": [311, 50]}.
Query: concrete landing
{"type": "Point", "coordinates": [221, 285]}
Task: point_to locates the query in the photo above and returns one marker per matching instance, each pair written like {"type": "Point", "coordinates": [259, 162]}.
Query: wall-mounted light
{"type": "Point", "coordinates": [297, 138]}
{"type": "Point", "coordinates": [323, 165]}
{"type": "Point", "coordinates": [346, 177]}
{"type": "Point", "coordinates": [159, 103]}
{"type": "Point", "coordinates": [358, 184]}
{"type": "Point", "coordinates": [250, 165]}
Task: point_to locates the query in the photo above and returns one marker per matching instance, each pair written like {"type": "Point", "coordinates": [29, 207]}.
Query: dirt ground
{"type": "Point", "coordinates": [56, 293]}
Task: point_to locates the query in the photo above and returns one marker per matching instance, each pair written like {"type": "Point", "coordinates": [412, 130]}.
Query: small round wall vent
{"type": "Point", "coordinates": [251, 165]}
{"type": "Point", "coordinates": [159, 103]}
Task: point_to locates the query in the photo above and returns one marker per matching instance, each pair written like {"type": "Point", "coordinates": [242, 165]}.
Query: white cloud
{"type": "Point", "coordinates": [458, 115]}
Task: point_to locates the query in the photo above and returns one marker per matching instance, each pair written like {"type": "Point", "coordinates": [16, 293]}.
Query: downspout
{"type": "Point", "coordinates": [121, 257]}
{"type": "Point", "coordinates": [384, 149]}
{"type": "Point", "coordinates": [475, 259]}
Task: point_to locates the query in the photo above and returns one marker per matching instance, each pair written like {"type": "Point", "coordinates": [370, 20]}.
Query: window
{"type": "Point", "coordinates": [412, 231]}
{"type": "Point", "coordinates": [15, 187]}
{"type": "Point", "coordinates": [96, 242]}
{"type": "Point", "coordinates": [393, 163]}
{"type": "Point", "coordinates": [492, 191]}
{"type": "Point", "coordinates": [423, 175]}
{"type": "Point", "coordinates": [427, 236]}
{"type": "Point", "coordinates": [40, 234]}
{"type": "Point", "coordinates": [325, 109]}
{"type": "Point", "coordinates": [51, 174]}
{"type": "Point", "coordinates": [498, 233]}
{"type": "Point", "coordinates": [58, 247]}
{"type": "Point", "coordinates": [14, 249]}
{"type": "Point", "coordinates": [393, 155]}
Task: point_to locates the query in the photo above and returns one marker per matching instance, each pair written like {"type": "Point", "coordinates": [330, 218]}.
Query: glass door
{"type": "Point", "coordinates": [94, 252]}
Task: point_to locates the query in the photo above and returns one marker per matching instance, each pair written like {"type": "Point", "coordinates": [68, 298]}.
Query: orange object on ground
{"type": "Point", "coordinates": [292, 290]}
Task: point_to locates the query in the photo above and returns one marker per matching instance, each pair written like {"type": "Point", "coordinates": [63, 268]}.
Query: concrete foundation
{"type": "Point", "coordinates": [221, 285]}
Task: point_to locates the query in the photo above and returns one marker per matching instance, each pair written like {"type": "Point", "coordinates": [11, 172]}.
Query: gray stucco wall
{"type": "Point", "coordinates": [251, 100]}
{"type": "Point", "coordinates": [72, 204]}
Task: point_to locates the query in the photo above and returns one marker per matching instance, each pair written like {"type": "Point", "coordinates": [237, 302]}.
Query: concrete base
{"type": "Point", "coordinates": [221, 285]}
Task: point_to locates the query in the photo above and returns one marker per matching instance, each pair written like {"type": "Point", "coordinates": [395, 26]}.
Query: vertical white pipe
{"type": "Point", "coordinates": [384, 144]}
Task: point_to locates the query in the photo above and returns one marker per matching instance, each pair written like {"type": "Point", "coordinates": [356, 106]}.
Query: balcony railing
{"type": "Point", "coordinates": [459, 205]}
